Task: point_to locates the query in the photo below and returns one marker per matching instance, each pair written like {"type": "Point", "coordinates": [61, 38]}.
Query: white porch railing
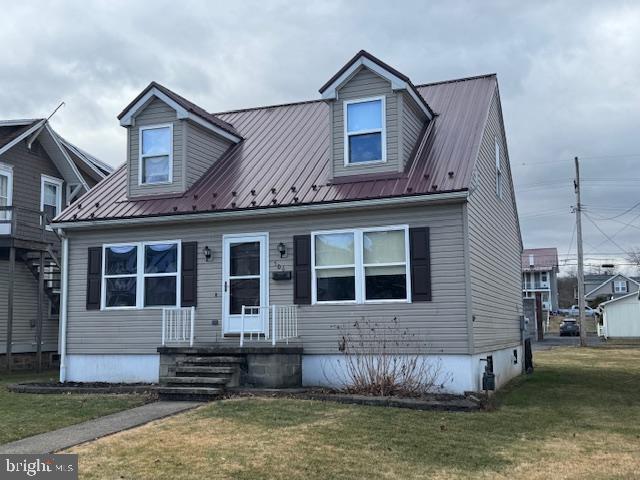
{"type": "Point", "coordinates": [178, 324]}
{"type": "Point", "coordinates": [279, 323]}
{"type": "Point", "coordinates": [602, 331]}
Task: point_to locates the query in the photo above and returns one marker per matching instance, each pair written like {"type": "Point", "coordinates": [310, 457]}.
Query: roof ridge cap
{"type": "Point", "coordinates": [454, 80]}
{"type": "Point", "coordinates": [266, 107]}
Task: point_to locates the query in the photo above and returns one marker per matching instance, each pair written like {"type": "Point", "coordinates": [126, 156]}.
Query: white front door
{"type": "Point", "coordinates": [245, 281]}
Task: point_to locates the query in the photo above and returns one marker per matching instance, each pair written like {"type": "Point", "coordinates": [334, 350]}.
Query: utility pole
{"type": "Point", "coordinates": [581, 301]}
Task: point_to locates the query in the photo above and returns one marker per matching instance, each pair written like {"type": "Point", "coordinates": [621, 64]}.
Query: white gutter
{"type": "Point", "coordinates": [64, 293]}
{"type": "Point", "coordinates": [284, 210]}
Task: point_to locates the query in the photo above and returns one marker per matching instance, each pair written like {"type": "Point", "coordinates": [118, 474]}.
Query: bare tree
{"type": "Point", "coordinates": [633, 257]}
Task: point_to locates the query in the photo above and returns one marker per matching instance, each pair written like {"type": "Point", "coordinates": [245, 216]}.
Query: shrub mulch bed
{"type": "Point", "coordinates": [442, 402]}
{"type": "Point", "coordinates": [84, 388]}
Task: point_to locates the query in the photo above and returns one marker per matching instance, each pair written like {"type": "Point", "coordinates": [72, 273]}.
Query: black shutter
{"type": "Point", "coordinates": [420, 264]}
{"type": "Point", "coordinates": [189, 281]}
{"type": "Point", "coordinates": [94, 278]}
{"type": "Point", "coordinates": [302, 269]}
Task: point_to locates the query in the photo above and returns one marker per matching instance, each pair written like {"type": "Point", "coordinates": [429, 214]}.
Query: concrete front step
{"type": "Point", "coordinates": [194, 380]}
{"type": "Point", "coordinates": [203, 370]}
{"type": "Point", "coordinates": [212, 360]}
{"type": "Point", "coordinates": [189, 393]}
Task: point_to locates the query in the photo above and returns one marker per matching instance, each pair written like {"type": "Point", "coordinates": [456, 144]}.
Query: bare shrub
{"type": "Point", "coordinates": [378, 361]}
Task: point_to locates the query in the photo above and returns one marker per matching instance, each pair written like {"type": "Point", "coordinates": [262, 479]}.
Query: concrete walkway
{"type": "Point", "coordinates": [83, 432]}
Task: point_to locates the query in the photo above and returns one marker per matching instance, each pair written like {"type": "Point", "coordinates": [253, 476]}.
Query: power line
{"type": "Point", "coordinates": [604, 234]}
{"type": "Point", "coordinates": [636, 205]}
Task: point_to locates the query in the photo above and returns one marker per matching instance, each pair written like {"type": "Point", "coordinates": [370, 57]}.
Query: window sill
{"type": "Point", "coordinates": [370, 162]}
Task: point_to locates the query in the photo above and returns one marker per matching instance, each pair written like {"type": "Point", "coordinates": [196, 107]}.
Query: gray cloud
{"type": "Point", "coordinates": [568, 75]}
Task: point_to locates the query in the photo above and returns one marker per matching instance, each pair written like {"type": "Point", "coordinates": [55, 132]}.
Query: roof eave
{"type": "Point", "coordinates": [431, 198]}
{"type": "Point", "coordinates": [128, 115]}
{"type": "Point", "coordinates": [363, 59]}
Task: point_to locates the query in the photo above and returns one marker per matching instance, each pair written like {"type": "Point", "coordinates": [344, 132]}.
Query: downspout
{"type": "Point", "coordinates": [64, 293]}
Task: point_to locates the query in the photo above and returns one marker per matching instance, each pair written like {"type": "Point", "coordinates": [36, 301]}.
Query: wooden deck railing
{"type": "Point", "coordinates": [26, 224]}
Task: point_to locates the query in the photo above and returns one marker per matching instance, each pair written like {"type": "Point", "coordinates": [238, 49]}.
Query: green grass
{"type": "Point", "coordinates": [577, 417]}
{"type": "Point", "coordinates": [25, 414]}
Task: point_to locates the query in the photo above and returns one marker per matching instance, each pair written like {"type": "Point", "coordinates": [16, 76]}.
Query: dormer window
{"type": "Point", "coordinates": [364, 131]}
{"type": "Point", "coordinates": [156, 154]}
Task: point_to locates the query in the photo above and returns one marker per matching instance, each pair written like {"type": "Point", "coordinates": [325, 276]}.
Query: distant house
{"type": "Point", "coordinates": [540, 275]}
{"type": "Point", "coordinates": [248, 237]}
{"type": "Point", "coordinates": [40, 174]}
{"type": "Point", "coordinates": [621, 317]}
{"type": "Point", "coordinates": [609, 286]}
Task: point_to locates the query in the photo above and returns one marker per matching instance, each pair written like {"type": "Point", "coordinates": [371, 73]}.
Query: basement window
{"type": "Point", "coordinates": [156, 154]}
{"type": "Point", "coordinates": [364, 131]}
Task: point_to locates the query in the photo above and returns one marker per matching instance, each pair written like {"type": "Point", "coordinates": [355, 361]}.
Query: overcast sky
{"type": "Point", "coordinates": [569, 75]}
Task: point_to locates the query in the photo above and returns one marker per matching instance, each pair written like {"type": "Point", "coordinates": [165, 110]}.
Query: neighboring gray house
{"type": "Point", "coordinates": [383, 200]}
{"type": "Point", "coordinates": [609, 286]}
{"type": "Point", "coordinates": [540, 275]}
{"type": "Point", "coordinates": [40, 174]}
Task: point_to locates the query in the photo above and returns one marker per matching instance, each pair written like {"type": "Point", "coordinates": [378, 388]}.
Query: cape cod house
{"type": "Point", "coordinates": [40, 174]}
{"type": "Point", "coordinates": [229, 246]}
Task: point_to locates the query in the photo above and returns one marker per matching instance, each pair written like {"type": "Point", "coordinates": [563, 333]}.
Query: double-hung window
{"type": "Point", "coordinates": [156, 154]}
{"type": "Point", "coordinates": [160, 274]}
{"type": "Point", "coordinates": [620, 286]}
{"type": "Point", "coordinates": [364, 131]}
{"type": "Point", "coordinates": [50, 196]}
{"type": "Point", "coordinates": [139, 275]}
{"type": "Point", "coordinates": [361, 265]}
{"type": "Point", "coordinates": [6, 191]}
{"type": "Point", "coordinates": [120, 275]}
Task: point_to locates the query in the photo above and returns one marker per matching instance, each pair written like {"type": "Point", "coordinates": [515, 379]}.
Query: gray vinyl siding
{"type": "Point", "coordinates": [413, 122]}
{"type": "Point", "coordinates": [608, 289]}
{"type": "Point", "coordinates": [25, 311]}
{"type": "Point", "coordinates": [494, 246]}
{"type": "Point", "coordinates": [157, 112]}
{"type": "Point", "coordinates": [441, 323]}
{"type": "Point", "coordinates": [203, 149]}
{"type": "Point", "coordinates": [28, 166]}
{"type": "Point", "coordinates": [365, 84]}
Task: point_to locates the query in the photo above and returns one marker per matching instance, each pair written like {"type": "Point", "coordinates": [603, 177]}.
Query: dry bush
{"type": "Point", "coordinates": [375, 363]}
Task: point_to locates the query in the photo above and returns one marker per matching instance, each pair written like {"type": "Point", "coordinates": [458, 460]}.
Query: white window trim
{"type": "Point", "coordinates": [140, 275]}
{"type": "Point", "coordinates": [7, 171]}
{"type": "Point", "coordinates": [620, 283]}
{"type": "Point", "coordinates": [141, 157]}
{"type": "Point", "coordinates": [58, 182]}
{"type": "Point", "coordinates": [499, 185]}
{"type": "Point", "coordinates": [382, 130]}
{"type": "Point", "coordinates": [359, 265]}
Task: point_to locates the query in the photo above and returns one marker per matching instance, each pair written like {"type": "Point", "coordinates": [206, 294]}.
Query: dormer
{"type": "Point", "coordinates": [171, 142]}
{"type": "Point", "coordinates": [377, 117]}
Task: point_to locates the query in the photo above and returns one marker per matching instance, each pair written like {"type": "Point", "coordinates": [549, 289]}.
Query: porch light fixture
{"type": "Point", "coordinates": [282, 249]}
{"type": "Point", "coordinates": [207, 253]}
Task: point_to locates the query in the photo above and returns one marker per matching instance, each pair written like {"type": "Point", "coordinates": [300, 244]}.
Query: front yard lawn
{"type": "Point", "coordinates": [26, 414]}
{"type": "Point", "coordinates": [577, 417]}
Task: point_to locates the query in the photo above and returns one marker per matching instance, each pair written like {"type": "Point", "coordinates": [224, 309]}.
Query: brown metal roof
{"type": "Point", "coordinates": [543, 258]}
{"type": "Point", "coordinates": [186, 104]}
{"type": "Point", "coordinates": [283, 160]}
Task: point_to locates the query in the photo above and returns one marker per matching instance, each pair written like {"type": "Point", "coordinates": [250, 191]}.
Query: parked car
{"type": "Point", "coordinates": [588, 311]}
{"type": "Point", "coordinates": [569, 327]}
